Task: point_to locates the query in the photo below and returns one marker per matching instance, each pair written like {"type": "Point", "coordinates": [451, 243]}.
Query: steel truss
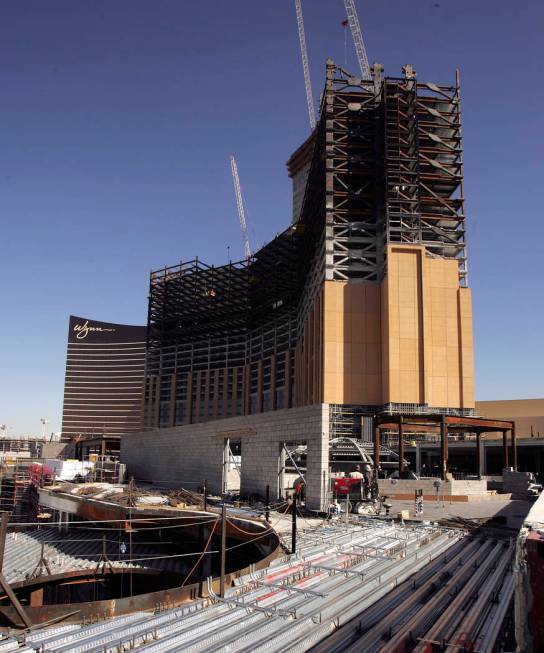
{"type": "Point", "coordinates": [353, 197]}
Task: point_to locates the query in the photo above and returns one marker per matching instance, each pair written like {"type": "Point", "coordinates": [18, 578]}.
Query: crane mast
{"type": "Point", "coordinates": [240, 206]}
{"type": "Point", "coordinates": [305, 65]}
{"type": "Point", "coordinates": [360, 49]}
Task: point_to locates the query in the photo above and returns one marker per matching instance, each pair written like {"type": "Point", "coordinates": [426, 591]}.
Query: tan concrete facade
{"type": "Point", "coordinates": [527, 413]}
{"type": "Point", "coordinates": [407, 340]}
{"type": "Point", "coordinates": [426, 331]}
{"type": "Point", "coordinates": [352, 343]}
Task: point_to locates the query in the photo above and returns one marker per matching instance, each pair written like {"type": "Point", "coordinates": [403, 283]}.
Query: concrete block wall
{"type": "Point", "coordinates": [186, 455]}
{"type": "Point", "coordinates": [180, 456]}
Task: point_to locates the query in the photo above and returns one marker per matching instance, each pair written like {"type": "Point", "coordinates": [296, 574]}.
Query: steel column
{"type": "Point", "coordinates": [443, 447]}
{"type": "Point", "coordinates": [504, 450]}
{"type": "Point", "coordinates": [514, 448]}
{"type": "Point", "coordinates": [479, 455]}
{"type": "Point", "coordinates": [401, 447]}
{"type": "Point", "coordinates": [376, 445]}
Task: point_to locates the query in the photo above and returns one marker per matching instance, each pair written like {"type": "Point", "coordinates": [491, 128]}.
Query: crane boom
{"type": "Point", "coordinates": [305, 65]}
{"type": "Point", "coordinates": [360, 49]}
{"type": "Point", "coordinates": [240, 206]}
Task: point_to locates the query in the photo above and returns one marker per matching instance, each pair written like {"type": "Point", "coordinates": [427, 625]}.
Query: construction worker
{"type": "Point", "coordinates": [356, 473]}
{"type": "Point", "coordinates": [299, 487]}
{"type": "Point", "coordinates": [367, 475]}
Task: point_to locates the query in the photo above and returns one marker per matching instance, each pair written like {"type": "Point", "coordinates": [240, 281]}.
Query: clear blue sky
{"type": "Point", "coordinates": [117, 120]}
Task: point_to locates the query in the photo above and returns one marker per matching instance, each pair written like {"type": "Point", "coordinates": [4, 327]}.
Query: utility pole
{"type": "Point", "coordinates": [130, 505]}
{"type": "Point", "coordinates": [294, 525]}
{"type": "Point", "coordinates": [223, 548]}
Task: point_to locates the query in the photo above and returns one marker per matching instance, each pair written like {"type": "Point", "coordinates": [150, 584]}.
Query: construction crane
{"type": "Point", "coordinates": [305, 65]}
{"type": "Point", "coordinates": [240, 205]}
{"type": "Point", "coordinates": [360, 49]}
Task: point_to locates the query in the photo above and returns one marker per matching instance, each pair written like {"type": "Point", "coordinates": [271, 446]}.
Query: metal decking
{"type": "Point", "coordinates": [80, 549]}
{"type": "Point", "coordinates": [336, 571]}
{"type": "Point", "coordinates": [340, 572]}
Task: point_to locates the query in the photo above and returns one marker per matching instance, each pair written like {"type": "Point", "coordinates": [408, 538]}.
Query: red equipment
{"type": "Point", "coordinates": [347, 485]}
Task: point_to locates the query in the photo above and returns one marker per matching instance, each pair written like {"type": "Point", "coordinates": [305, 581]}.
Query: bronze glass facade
{"type": "Point", "coordinates": [104, 378]}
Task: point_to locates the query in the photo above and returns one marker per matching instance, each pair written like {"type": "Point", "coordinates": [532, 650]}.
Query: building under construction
{"type": "Point", "coordinates": [360, 308]}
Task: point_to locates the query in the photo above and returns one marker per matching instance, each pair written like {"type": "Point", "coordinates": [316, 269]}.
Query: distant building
{"type": "Point", "coordinates": [528, 414]}
{"type": "Point", "coordinates": [104, 378]}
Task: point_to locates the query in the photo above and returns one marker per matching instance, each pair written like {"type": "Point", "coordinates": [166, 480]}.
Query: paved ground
{"type": "Point", "coordinates": [513, 511]}
{"type": "Point", "coordinates": [510, 513]}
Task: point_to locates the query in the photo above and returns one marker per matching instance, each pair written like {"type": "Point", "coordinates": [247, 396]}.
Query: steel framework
{"type": "Point", "coordinates": [384, 166]}
{"type": "Point", "coordinates": [393, 171]}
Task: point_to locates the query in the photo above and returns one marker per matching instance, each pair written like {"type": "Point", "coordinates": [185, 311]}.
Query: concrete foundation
{"type": "Point", "coordinates": [185, 456]}
{"type": "Point", "coordinates": [403, 489]}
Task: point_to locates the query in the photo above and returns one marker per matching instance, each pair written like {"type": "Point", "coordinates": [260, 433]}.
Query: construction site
{"type": "Point", "coordinates": [289, 455]}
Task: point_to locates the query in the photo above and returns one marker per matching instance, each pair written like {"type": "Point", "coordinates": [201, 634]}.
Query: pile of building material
{"type": "Point", "coordinates": [521, 485]}
{"type": "Point", "coordinates": [130, 494]}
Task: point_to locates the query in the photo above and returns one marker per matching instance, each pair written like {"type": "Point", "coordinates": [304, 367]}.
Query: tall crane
{"type": "Point", "coordinates": [305, 65]}
{"type": "Point", "coordinates": [360, 49]}
{"type": "Point", "coordinates": [240, 206]}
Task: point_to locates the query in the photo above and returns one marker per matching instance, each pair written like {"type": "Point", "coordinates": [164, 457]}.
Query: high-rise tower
{"type": "Point", "coordinates": [361, 303]}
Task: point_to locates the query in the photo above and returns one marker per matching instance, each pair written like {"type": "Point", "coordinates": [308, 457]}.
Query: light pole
{"type": "Point", "coordinates": [44, 422]}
